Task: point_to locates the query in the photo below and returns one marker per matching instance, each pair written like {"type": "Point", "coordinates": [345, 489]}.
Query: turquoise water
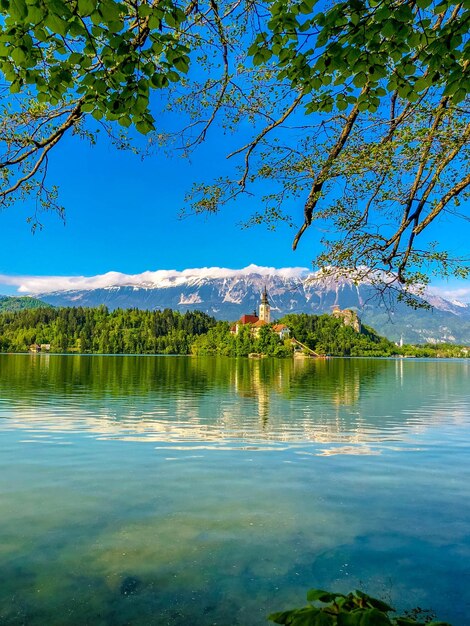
{"type": "Point", "coordinates": [170, 490]}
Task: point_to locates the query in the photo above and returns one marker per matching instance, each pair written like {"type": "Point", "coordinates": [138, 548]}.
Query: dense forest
{"type": "Point", "coordinates": [134, 331]}
{"type": "Point", "coordinates": [97, 330]}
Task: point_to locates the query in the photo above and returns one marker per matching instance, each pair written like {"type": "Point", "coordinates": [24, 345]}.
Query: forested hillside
{"type": "Point", "coordinates": [133, 331]}
{"type": "Point", "coordinates": [98, 330]}
{"type": "Point", "coordinates": [322, 333]}
{"type": "Point", "coordinates": [18, 303]}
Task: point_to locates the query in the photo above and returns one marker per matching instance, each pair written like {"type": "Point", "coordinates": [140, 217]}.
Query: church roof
{"type": "Point", "coordinates": [248, 319]}
{"type": "Point", "coordinates": [259, 323]}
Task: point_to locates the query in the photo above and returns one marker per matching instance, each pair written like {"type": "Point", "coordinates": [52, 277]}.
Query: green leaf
{"type": "Point", "coordinates": [459, 95]}
{"type": "Point", "coordinates": [181, 64]}
{"type": "Point", "coordinates": [173, 77]}
{"type": "Point", "coordinates": [109, 10]}
{"type": "Point", "coordinates": [388, 29]}
{"type": "Point", "coordinates": [125, 121]}
{"type": "Point", "coordinates": [360, 79]}
{"type": "Point", "coordinates": [144, 127]}
{"type": "Point", "coordinates": [18, 55]}
{"type": "Point", "coordinates": [75, 58]}
{"type": "Point", "coordinates": [15, 87]}
{"type": "Point", "coordinates": [35, 14]}
{"type": "Point", "coordinates": [308, 616]}
{"type": "Point", "coordinates": [56, 24]}
{"type": "Point", "coordinates": [253, 49]}
{"type": "Point", "coordinates": [319, 595]}
{"type": "Point", "coordinates": [374, 602]}
{"type": "Point", "coordinates": [280, 617]}
{"type": "Point", "coordinates": [18, 9]}
{"type": "Point", "coordinates": [159, 81]}
{"type": "Point", "coordinates": [86, 7]}
{"type": "Point", "coordinates": [364, 617]}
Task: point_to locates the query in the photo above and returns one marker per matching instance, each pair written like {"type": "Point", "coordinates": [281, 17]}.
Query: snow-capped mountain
{"type": "Point", "coordinates": [227, 294]}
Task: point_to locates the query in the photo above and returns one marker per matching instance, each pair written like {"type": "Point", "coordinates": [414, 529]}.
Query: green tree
{"type": "Point", "coordinates": [244, 341]}
{"type": "Point", "coordinates": [380, 90]}
{"type": "Point", "coordinates": [267, 341]}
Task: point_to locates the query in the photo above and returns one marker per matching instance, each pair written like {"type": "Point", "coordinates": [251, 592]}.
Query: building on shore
{"type": "Point", "coordinates": [43, 347]}
{"type": "Point", "coordinates": [256, 322]}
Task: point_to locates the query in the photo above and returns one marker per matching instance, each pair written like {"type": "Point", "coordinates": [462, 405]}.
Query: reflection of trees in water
{"type": "Point", "coordinates": [218, 399]}
{"type": "Point", "coordinates": [337, 381]}
{"type": "Point", "coordinates": [39, 374]}
{"type": "Point", "coordinates": [99, 376]}
{"type": "Point", "coordinates": [340, 380]}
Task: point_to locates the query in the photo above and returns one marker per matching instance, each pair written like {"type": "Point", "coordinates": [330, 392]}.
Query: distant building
{"type": "Point", "coordinates": [265, 308]}
{"type": "Point", "coordinates": [44, 347]}
{"type": "Point", "coordinates": [255, 328]}
{"type": "Point", "coordinates": [348, 316]}
{"type": "Point", "coordinates": [243, 321]}
{"type": "Point", "coordinates": [263, 319]}
{"type": "Point", "coordinates": [282, 330]}
{"type": "Point", "coordinates": [249, 319]}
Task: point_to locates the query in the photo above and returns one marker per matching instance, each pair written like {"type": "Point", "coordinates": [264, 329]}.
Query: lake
{"type": "Point", "coordinates": [175, 490]}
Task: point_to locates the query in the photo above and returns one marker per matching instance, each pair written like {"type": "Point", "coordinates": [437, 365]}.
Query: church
{"type": "Point", "coordinates": [257, 321]}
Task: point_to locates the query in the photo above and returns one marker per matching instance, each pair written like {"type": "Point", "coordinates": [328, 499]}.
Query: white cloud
{"type": "Point", "coordinates": [457, 293]}
{"type": "Point", "coordinates": [161, 278]}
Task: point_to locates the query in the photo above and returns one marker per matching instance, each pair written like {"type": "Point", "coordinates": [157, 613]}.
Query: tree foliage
{"type": "Point", "coordinates": [358, 110]}
{"type": "Point", "coordinates": [132, 331]}
{"type": "Point", "coordinates": [220, 341]}
{"type": "Point", "coordinates": [97, 330]}
{"type": "Point", "coordinates": [353, 609]}
{"type": "Point", "coordinates": [16, 303]}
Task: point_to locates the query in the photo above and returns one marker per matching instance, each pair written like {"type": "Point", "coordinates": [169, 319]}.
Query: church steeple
{"type": "Point", "coordinates": [264, 307]}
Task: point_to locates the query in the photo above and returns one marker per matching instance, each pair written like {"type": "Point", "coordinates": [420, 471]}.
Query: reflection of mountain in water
{"type": "Point", "coordinates": [196, 402]}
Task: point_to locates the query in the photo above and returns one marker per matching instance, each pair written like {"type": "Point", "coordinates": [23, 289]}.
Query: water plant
{"type": "Point", "coordinates": [327, 608]}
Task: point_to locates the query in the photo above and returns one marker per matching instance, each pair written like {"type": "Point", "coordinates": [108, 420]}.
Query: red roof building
{"type": "Point", "coordinates": [248, 319]}
{"type": "Point", "coordinates": [256, 322]}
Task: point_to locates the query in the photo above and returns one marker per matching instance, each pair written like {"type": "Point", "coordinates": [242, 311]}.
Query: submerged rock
{"type": "Point", "coordinates": [130, 586]}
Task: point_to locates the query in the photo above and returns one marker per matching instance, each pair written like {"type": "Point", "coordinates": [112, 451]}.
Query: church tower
{"type": "Point", "coordinates": [264, 308]}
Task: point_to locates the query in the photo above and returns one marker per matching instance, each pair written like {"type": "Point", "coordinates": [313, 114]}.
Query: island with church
{"type": "Point", "coordinates": [256, 321]}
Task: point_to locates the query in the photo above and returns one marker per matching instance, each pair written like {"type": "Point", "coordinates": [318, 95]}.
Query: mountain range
{"type": "Point", "coordinates": [227, 294]}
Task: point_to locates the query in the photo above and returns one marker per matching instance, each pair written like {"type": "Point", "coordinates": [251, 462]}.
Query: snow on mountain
{"type": "Point", "coordinates": [159, 279]}
{"type": "Point", "coordinates": [228, 293]}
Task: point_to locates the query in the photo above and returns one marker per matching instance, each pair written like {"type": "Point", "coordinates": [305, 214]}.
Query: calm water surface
{"type": "Point", "coordinates": [167, 490]}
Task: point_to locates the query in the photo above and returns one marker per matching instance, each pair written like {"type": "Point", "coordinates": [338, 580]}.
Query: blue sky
{"type": "Point", "coordinates": [122, 214]}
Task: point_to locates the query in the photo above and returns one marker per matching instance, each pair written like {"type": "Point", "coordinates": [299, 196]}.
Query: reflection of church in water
{"type": "Point", "coordinates": [266, 381]}
{"type": "Point", "coordinates": [253, 382]}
